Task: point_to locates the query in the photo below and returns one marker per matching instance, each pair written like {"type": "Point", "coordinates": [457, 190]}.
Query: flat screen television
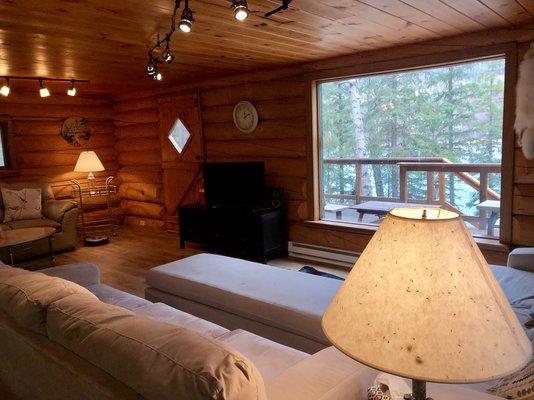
{"type": "Point", "coordinates": [234, 183]}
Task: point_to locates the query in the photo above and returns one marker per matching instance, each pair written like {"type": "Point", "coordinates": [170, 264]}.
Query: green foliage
{"type": "Point", "coordinates": [455, 112]}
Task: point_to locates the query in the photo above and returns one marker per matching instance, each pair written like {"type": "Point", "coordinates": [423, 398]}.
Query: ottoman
{"type": "Point", "coordinates": [282, 305]}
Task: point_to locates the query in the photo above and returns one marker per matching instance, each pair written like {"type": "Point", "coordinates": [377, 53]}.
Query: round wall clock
{"type": "Point", "coordinates": [245, 116]}
{"type": "Point", "coordinates": [75, 131]}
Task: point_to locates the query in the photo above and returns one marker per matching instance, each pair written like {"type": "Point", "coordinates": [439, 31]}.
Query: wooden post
{"type": "Point", "coordinates": [483, 196]}
{"type": "Point", "coordinates": [442, 199]}
{"type": "Point", "coordinates": [403, 181]}
{"type": "Point", "coordinates": [430, 187]}
{"type": "Point", "coordinates": [358, 182]}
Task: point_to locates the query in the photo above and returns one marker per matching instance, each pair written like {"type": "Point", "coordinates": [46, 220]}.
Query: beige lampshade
{"type": "Point", "coordinates": [88, 162]}
{"type": "Point", "coordinates": [422, 303]}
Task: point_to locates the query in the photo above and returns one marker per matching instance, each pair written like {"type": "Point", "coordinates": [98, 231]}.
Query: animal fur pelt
{"type": "Point", "coordinates": [524, 116]}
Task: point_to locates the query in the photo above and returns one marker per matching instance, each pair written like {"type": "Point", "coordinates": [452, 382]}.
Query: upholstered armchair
{"type": "Point", "coordinates": [59, 214]}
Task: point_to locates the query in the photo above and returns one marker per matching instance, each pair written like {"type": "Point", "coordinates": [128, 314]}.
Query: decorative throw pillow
{"type": "Point", "coordinates": [517, 386]}
{"type": "Point", "coordinates": [378, 392]}
{"type": "Point", "coordinates": [21, 204]}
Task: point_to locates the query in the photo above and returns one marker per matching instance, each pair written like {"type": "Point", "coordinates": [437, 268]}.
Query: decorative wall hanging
{"type": "Point", "coordinates": [524, 115]}
{"type": "Point", "coordinates": [75, 131]}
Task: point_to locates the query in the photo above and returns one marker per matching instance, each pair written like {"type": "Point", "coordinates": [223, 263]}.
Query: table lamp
{"type": "Point", "coordinates": [422, 303]}
{"type": "Point", "coordinates": [89, 162]}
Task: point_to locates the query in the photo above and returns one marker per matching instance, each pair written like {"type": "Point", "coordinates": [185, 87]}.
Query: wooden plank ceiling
{"type": "Point", "coordinates": [106, 41]}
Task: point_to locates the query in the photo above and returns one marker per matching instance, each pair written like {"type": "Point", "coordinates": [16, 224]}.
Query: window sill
{"type": "Point", "coordinates": [361, 229]}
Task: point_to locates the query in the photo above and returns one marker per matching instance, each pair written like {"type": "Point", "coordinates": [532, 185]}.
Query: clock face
{"type": "Point", "coordinates": [245, 116]}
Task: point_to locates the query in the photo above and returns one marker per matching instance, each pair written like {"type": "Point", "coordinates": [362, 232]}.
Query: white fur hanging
{"type": "Point", "coordinates": [524, 116]}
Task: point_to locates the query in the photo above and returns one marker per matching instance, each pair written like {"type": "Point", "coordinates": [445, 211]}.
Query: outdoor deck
{"type": "Point", "coordinates": [359, 207]}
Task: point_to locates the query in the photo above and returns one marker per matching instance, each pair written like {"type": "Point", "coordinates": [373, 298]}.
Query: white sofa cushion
{"type": "Point", "coordinates": [25, 296]}
{"type": "Point", "coordinates": [285, 299]}
{"type": "Point", "coordinates": [158, 360]}
{"type": "Point", "coordinates": [163, 312]}
{"type": "Point", "coordinates": [116, 297]}
{"type": "Point", "coordinates": [269, 357]}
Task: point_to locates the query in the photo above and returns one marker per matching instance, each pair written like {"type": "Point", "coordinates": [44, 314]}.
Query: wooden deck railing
{"type": "Point", "coordinates": [430, 165]}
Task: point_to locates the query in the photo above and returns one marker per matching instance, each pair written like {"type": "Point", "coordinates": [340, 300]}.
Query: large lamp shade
{"type": "Point", "coordinates": [88, 161]}
{"type": "Point", "coordinates": [422, 303]}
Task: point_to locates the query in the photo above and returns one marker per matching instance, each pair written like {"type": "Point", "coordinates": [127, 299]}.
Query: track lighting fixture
{"type": "Point", "coordinates": [156, 56]}
{"type": "Point", "coordinates": [186, 23]}
{"type": "Point", "coordinates": [43, 91]}
{"type": "Point", "coordinates": [71, 91]}
{"type": "Point", "coordinates": [4, 91]}
{"type": "Point", "coordinates": [240, 9]}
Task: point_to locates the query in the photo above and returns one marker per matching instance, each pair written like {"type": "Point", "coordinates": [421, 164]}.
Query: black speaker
{"type": "Point", "coordinates": [274, 198]}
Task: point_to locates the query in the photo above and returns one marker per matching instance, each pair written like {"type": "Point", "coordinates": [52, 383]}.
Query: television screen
{"type": "Point", "coordinates": [239, 183]}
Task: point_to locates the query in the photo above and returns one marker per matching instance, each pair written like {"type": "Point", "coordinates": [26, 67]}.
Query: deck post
{"type": "Point", "coordinates": [483, 196]}
{"type": "Point", "coordinates": [442, 194]}
{"type": "Point", "coordinates": [358, 182]}
{"type": "Point", "coordinates": [403, 180]}
{"type": "Point", "coordinates": [429, 187]}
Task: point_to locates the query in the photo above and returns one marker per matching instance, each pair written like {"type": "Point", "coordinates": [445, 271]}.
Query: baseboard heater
{"type": "Point", "coordinates": [326, 255]}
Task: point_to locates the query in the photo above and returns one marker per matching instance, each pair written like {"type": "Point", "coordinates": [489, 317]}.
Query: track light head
{"type": "Point", "coordinates": [186, 23]}
{"type": "Point", "coordinates": [158, 76]}
{"type": "Point", "coordinates": [72, 90]}
{"type": "Point", "coordinates": [151, 67]}
{"type": "Point", "coordinates": [167, 55]}
{"type": "Point", "coordinates": [43, 91]}
{"type": "Point", "coordinates": [4, 91]}
{"type": "Point", "coordinates": [240, 9]}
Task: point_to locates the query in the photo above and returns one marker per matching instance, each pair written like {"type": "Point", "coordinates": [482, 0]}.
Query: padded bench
{"type": "Point", "coordinates": [282, 305]}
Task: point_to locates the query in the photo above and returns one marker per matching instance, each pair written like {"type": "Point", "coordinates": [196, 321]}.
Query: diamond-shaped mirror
{"type": "Point", "coordinates": [179, 135]}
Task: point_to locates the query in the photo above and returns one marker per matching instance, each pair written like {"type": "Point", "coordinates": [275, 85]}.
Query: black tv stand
{"type": "Point", "coordinates": [253, 233]}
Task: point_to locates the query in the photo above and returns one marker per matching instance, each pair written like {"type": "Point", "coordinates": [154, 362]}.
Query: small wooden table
{"type": "Point", "coordinates": [381, 208]}
{"type": "Point", "coordinates": [20, 238]}
{"type": "Point", "coordinates": [336, 208]}
{"type": "Point", "coordinates": [494, 207]}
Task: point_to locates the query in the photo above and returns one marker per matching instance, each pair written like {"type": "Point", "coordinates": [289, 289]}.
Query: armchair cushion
{"type": "Point", "coordinates": [55, 209]}
{"type": "Point", "coordinates": [21, 204]}
{"type": "Point", "coordinates": [34, 223]}
{"type": "Point", "coordinates": [522, 258]}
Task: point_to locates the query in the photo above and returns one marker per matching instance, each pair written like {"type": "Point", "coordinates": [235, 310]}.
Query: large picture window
{"type": "Point", "coordinates": [429, 136]}
{"type": "Point", "coordinates": [6, 157]}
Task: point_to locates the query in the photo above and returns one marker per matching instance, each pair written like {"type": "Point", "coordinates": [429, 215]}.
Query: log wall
{"type": "Point", "coordinates": [42, 154]}
{"type": "Point", "coordinates": [138, 152]}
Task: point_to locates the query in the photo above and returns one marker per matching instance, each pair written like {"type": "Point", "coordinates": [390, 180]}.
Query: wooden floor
{"type": "Point", "coordinates": [124, 261]}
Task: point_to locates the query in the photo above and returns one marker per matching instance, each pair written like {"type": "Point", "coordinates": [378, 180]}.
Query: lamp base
{"type": "Point", "coordinates": [418, 391]}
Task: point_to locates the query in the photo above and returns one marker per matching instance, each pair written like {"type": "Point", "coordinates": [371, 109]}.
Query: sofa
{"type": "Point", "coordinates": [65, 335]}
{"type": "Point", "coordinates": [61, 215]}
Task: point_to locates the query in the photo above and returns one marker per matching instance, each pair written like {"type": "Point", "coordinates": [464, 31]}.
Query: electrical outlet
{"type": "Point", "coordinates": [142, 222]}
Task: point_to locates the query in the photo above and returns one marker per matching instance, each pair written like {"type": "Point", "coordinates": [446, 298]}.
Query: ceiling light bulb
{"type": "Point", "coordinates": [43, 92]}
{"type": "Point", "coordinates": [158, 76]}
{"type": "Point", "coordinates": [72, 90]}
{"type": "Point", "coordinates": [4, 91]}
{"type": "Point", "coordinates": [240, 9]}
{"type": "Point", "coordinates": [186, 23]}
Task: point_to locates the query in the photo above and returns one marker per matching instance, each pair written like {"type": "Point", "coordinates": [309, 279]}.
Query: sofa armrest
{"type": "Point", "coordinates": [55, 209]}
{"type": "Point", "coordinates": [83, 273]}
{"type": "Point", "coordinates": [326, 375]}
{"type": "Point", "coordinates": [522, 258]}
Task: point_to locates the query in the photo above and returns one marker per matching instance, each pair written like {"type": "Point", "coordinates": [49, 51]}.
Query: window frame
{"type": "Point", "coordinates": [8, 147]}
{"type": "Point", "coordinates": [383, 66]}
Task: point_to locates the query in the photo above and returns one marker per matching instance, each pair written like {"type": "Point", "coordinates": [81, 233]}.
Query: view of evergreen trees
{"type": "Point", "coordinates": [455, 112]}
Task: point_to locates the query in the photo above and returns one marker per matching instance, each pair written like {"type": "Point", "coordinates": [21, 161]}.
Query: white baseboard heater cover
{"type": "Point", "coordinates": [327, 255]}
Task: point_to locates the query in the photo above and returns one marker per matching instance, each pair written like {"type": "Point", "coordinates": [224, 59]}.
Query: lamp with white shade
{"type": "Point", "coordinates": [89, 162]}
{"type": "Point", "coordinates": [422, 303]}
